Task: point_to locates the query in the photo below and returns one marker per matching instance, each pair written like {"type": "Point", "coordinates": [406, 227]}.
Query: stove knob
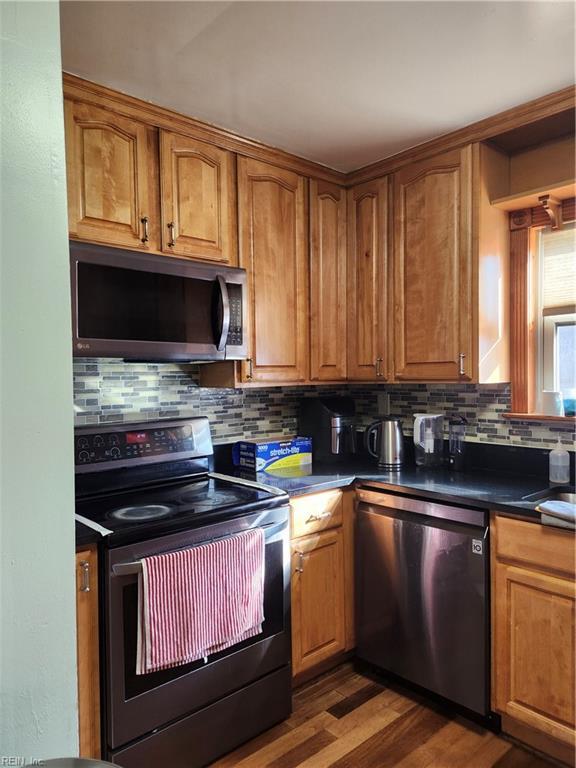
{"type": "Point", "coordinates": [115, 453]}
{"type": "Point", "coordinates": [82, 442]}
{"type": "Point", "coordinates": [83, 456]}
{"type": "Point", "coordinates": [98, 441]}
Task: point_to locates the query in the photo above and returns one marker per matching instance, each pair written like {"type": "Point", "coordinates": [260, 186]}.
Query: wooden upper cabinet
{"type": "Point", "coordinates": [273, 228]}
{"type": "Point", "coordinates": [107, 160]}
{"type": "Point", "coordinates": [433, 269]}
{"type": "Point", "coordinates": [327, 281]}
{"type": "Point", "coordinates": [368, 349]}
{"type": "Point", "coordinates": [198, 199]}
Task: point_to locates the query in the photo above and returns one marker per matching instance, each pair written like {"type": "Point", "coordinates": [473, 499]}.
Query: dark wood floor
{"type": "Point", "coordinates": [345, 720]}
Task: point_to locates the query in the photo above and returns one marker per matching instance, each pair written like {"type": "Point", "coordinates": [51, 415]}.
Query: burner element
{"type": "Point", "coordinates": [142, 512]}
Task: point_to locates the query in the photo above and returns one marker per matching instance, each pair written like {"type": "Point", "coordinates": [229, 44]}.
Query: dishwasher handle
{"type": "Point", "coordinates": [463, 515]}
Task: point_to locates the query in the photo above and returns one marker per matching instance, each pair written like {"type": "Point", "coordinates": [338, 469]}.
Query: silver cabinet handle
{"type": "Point", "coordinates": [461, 369]}
{"type": "Point", "coordinates": [300, 567]}
{"type": "Point", "coordinates": [250, 371]}
{"type": "Point", "coordinates": [379, 373]}
{"type": "Point", "coordinates": [145, 235]}
{"type": "Point", "coordinates": [172, 229]}
{"type": "Point", "coordinates": [315, 518]}
{"type": "Point", "coordinates": [85, 584]}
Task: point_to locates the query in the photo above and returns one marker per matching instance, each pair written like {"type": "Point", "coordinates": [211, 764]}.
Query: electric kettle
{"type": "Point", "coordinates": [388, 444]}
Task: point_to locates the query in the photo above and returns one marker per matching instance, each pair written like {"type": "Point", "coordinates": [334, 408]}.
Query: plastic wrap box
{"type": "Point", "coordinates": [273, 455]}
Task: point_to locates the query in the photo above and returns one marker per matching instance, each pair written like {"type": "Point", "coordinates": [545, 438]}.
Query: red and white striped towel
{"type": "Point", "coordinates": [199, 601]}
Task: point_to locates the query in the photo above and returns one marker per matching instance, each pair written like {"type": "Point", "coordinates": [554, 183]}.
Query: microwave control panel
{"type": "Point", "coordinates": [121, 446]}
{"type": "Point", "coordinates": [235, 337]}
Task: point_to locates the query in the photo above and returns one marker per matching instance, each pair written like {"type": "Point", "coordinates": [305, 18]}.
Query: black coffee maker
{"type": "Point", "coordinates": [331, 423]}
{"type": "Point", "coordinates": [456, 442]}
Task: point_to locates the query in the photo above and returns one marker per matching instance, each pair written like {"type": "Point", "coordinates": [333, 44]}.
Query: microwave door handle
{"type": "Point", "coordinates": [221, 343]}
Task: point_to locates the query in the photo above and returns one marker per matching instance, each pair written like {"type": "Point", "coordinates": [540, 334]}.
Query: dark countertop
{"type": "Point", "coordinates": [500, 491]}
{"type": "Point", "coordinates": [484, 489]}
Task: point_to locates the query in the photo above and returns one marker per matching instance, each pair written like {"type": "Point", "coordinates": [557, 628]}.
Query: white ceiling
{"type": "Point", "coordinates": [342, 83]}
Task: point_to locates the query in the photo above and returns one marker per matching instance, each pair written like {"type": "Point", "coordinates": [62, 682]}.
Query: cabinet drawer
{"type": "Point", "coordinates": [316, 512]}
{"type": "Point", "coordinates": [540, 546]}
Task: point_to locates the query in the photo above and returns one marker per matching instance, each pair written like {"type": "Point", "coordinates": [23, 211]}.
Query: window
{"type": "Point", "coordinates": [543, 307]}
{"type": "Point", "coordinates": [555, 292]}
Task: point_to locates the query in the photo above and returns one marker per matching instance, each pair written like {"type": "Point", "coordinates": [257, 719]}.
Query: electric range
{"type": "Point", "coordinates": [149, 489]}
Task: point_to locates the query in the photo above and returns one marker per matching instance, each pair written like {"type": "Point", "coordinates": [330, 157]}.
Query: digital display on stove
{"type": "Point", "coordinates": [135, 438]}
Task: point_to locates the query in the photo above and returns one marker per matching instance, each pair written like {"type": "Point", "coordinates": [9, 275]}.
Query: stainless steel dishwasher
{"type": "Point", "coordinates": [422, 594]}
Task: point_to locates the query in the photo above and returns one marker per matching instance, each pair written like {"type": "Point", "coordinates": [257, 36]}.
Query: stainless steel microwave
{"type": "Point", "coordinates": [140, 306]}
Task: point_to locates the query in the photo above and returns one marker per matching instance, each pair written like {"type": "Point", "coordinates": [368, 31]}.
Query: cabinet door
{"type": "Point", "coordinates": [534, 653]}
{"type": "Point", "coordinates": [368, 281]}
{"type": "Point", "coordinates": [198, 199]}
{"type": "Point", "coordinates": [274, 251]}
{"type": "Point", "coordinates": [108, 171]}
{"type": "Point", "coordinates": [327, 281]}
{"type": "Point", "coordinates": [318, 610]}
{"type": "Point", "coordinates": [433, 269]}
{"type": "Point", "coordinates": [87, 650]}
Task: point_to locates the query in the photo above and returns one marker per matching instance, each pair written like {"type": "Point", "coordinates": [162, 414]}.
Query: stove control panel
{"type": "Point", "coordinates": [138, 443]}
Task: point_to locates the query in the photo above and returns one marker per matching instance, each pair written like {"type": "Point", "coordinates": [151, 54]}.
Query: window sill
{"type": "Point", "coordinates": [539, 417]}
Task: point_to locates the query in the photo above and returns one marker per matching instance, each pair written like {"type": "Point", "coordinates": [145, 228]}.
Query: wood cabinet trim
{"type": "Point", "coordinates": [84, 90]}
{"type": "Point", "coordinates": [162, 117]}
{"type": "Point", "coordinates": [523, 114]}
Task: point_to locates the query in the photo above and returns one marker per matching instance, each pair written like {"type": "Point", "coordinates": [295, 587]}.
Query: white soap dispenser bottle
{"type": "Point", "coordinates": [559, 465]}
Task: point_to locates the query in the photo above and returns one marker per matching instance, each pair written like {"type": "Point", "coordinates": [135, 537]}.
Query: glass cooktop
{"type": "Point", "coordinates": [155, 510]}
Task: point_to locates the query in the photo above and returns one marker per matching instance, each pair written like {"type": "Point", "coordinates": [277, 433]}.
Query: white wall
{"type": "Point", "coordinates": [37, 622]}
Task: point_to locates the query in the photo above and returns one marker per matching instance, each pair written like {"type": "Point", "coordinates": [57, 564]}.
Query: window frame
{"type": "Point", "coordinates": [525, 378]}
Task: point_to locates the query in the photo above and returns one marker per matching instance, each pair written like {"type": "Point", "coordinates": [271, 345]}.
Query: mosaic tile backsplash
{"type": "Point", "coordinates": [115, 391]}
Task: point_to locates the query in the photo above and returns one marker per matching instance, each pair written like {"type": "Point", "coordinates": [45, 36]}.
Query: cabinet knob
{"type": "Point", "coordinates": [145, 234]}
{"type": "Point", "coordinates": [85, 583]}
{"type": "Point", "coordinates": [250, 371]}
{"type": "Point", "coordinates": [300, 567]}
{"type": "Point", "coordinates": [461, 369]}
{"type": "Point", "coordinates": [379, 360]}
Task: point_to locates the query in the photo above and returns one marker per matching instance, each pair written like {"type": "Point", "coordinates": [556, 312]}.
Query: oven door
{"type": "Point", "coordinates": [138, 704]}
{"type": "Point", "coordinates": [148, 307]}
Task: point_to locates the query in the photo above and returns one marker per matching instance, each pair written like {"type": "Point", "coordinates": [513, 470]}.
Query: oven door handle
{"type": "Point", "coordinates": [135, 567]}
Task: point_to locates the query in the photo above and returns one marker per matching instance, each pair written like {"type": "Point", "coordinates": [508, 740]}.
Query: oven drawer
{"type": "Point", "coordinates": [199, 739]}
{"type": "Point", "coordinates": [316, 512]}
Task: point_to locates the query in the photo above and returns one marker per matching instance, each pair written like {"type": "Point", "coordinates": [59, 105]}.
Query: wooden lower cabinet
{"type": "Point", "coordinates": [322, 608]}
{"type": "Point", "coordinates": [534, 632]}
{"type": "Point", "coordinates": [318, 623]}
{"type": "Point", "coordinates": [88, 652]}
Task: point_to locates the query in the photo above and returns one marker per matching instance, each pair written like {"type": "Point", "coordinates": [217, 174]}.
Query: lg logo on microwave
{"type": "Point", "coordinates": [82, 346]}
